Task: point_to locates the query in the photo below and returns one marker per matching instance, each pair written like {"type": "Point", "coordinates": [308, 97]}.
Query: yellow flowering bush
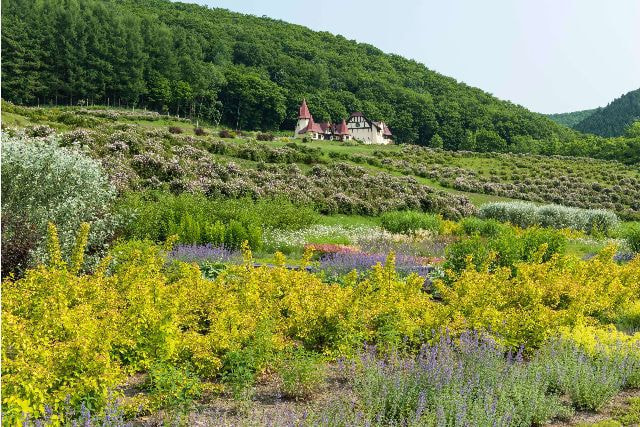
{"type": "Point", "coordinates": [57, 333]}
{"type": "Point", "coordinates": [601, 339]}
{"type": "Point", "coordinates": [79, 336]}
{"type": "Point", "coordinates": [75, 337]}
{"type": "Point", "coordinates": [451, 228]}
{"type": "Point", "coordinates": [530, 307]}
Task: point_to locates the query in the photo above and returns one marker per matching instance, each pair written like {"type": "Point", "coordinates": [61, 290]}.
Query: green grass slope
{"type": "Point", "coordinates": [479, 177]}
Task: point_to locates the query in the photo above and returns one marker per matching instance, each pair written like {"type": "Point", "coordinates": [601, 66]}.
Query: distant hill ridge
{"type": "Point", "coordinates": [608, 121]}
{"type": "Point", "coordinates": [571, 119]}
{"type": "Point", "coordinates": [613, 119]}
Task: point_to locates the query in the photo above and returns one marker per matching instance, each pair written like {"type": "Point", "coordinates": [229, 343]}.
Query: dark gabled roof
{"type": "Point", "coordinates": [379, 125]}
{"type": "Point", "coordinates": [326, 126]}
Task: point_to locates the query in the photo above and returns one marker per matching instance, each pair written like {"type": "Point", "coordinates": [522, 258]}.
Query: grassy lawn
{"type": "Point", "coordinates": [484, 164]}
{"type": "Point", "coordinates": [17, 120]}
{"type": "Point", "coordinates": [580, 248]}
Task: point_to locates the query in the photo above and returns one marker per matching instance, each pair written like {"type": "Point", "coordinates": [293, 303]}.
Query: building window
{"type": "Point", "coordinates": [357, 124]}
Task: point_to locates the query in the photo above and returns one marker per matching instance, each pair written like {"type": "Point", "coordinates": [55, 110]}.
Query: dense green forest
{"type": "Point", "coordinates": [248, 72]}
{"type": "Point", "coordinates": [571, 119]}
{"type": "Point", "coordinates": [613, 119]}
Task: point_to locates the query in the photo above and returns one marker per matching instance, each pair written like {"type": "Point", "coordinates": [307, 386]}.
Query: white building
{"type": "Point", "coordinates": [357, 127]}
{"type": "Point", "coordinates": [368, 131]}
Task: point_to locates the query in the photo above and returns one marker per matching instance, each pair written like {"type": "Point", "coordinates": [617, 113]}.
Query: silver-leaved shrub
{"type": "Point", "coordinates": [525, 214]}
{"type": "Point", "coordinates": [43, 182]}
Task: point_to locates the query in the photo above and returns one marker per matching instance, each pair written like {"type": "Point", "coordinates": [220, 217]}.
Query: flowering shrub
{"type": "Point", "coordinates": [420, 244]}
{"type": "Point", "coordinates": [337, 264]}
{"type": "Point", "coordinates": [469, 381]}
{"type": "Point", "coordinates": [80, 335]}
{"type": "Point", "coordinates": [571, 181]}
{"type": "Point", "coordinates": [39, 131]}
{"type": "Point", "coordinates": [139, 158]}
{"type": "Point", "coordinates": [202, 253]}
{"type": "Point", "coordinates": [527, 214]}
{"type": "Point", "coordinates": [265, 137]}
{"type": "Point", "coordinates": [541, 298]}
{"type": "Point", "coordinates": [42, 182]}
{"type": "Point", "coordinates": [120, 114]}
{"type": "Point", "coordinates": [330, 248]}
{"type": "Point", "coordinates": [289, 241]}
{"type": "Point", "coordinates": [367, 239]}
{"type": "Point", "coordinates": [589, 379]}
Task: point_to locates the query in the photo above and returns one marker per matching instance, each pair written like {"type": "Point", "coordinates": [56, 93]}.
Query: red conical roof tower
{"type": "Point", "coordinates": [304, 110]}
{"type": "Point", "coordinates": [341, 129]}
{"type": "Point", "coordinates": [312, 126]}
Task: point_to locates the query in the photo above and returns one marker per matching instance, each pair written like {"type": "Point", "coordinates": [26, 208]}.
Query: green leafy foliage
{"type": "Point", "coordinates": [172, 389]}
{"type": "Point", "coordinates": [482, 227]}
{"type": "Point", "coordinates": [242, 365]}
{"type": "Point", "coordinates": [571, 119]}
{"type": "Point", "coordinates": [195, 219]}
{"type": "Point", "coordinates": [631, 415]}
{"type": "Point", "coordinates": [302, 373]}
{"type": "Point", "coordinates": [590, 381]}
{"type": "Point", "coordinates": [631, 234]}
{"type": "Point", "coordinates": [409, 222]}
{"type": "Point", "coordinates": [505, 248]}
{"type": "Point", "coordinates": [240, 70]}
{"type": "Point", "coordinates": [474, 247]}
{"type": "Point", "coordinates": [250, 73]}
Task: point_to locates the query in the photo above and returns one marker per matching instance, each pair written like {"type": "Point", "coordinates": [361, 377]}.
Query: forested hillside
{"type": "Point", "coordinates": [245, 71]}
{"type": "Point", "coordinates": [571, 119]}
{"type": "Point", "coordinates": [613, 119]}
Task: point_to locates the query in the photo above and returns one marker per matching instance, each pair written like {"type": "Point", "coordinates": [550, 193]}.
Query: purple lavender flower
{"type": "Point", "coordinates": [339, 264]}
{"type": "Point", "coordinates": [202, 253]}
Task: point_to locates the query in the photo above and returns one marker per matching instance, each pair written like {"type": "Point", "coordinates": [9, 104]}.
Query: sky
{"type": "Point", "coordinates": [550, 56]}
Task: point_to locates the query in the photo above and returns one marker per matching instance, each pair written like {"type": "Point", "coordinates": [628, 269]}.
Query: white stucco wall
{"type": "Point", "coordinates": [367, 135]}
{"type": "Point", "coordinates": [302, 123]}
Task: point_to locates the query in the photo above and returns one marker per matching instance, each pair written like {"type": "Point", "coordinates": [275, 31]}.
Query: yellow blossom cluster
{"type": "Point", "coordinates": [71, 336]}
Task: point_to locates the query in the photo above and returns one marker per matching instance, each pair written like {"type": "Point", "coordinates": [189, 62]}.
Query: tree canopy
{"type": "Point", "coordinates": [250, 72]}
{"type": "Point", "coordinates": [613, 119]}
